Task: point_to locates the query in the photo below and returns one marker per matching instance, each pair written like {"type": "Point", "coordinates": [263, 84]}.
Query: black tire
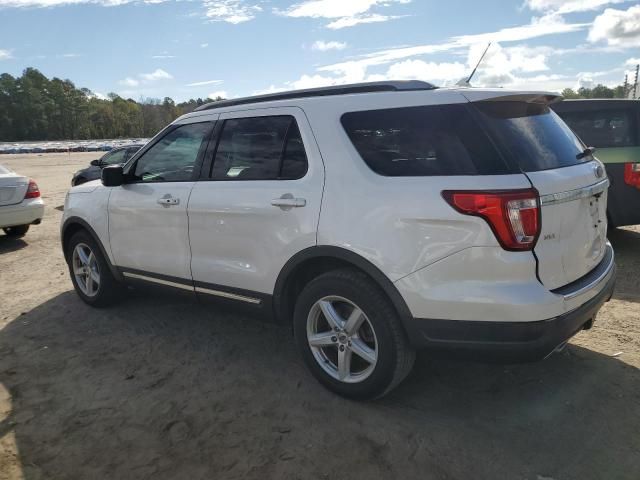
{"type": "Point", "coordinates": [109, 290]}
{"type": "Point", "coordinates": [17, 231]}
{"type": "Point", "coordinates": [395, 357]}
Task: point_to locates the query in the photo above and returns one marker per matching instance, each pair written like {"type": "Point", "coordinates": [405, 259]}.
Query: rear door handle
{"type": "Point", "coordinates": [168, 200]}
{"type": "Point", "coordinates": [287, 201]}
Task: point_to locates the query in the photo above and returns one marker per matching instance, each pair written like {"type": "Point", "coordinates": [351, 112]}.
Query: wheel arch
{"type": "Point", "coordinates": [308, 263]}
{"type": "Point", "coordinates": [73, 225]}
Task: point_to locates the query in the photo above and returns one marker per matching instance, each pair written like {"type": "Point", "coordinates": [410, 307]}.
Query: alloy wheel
{"type": "Point", "coordinates": [342, 339]}
{"type": "Point", "coordinates": [86, 270]}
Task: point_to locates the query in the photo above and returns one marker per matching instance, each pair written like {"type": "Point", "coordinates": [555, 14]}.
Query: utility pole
{"type": "Point", "coordinates": [625, 88]}
{"type": "Point", "coordinates": [635, 84]}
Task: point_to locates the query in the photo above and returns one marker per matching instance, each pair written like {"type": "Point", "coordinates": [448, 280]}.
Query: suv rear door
{"type": "Point", "coordinates": [571, 183]}
{"type": "Point", "coordinates": [257, 203]}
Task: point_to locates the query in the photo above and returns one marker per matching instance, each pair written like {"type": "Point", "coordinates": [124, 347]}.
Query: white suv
{"type": "Point", "coordinates": [374, 218]}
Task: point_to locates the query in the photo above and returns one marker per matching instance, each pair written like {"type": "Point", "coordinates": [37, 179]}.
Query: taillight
{"type": "Point", "coordinates": [32, 190]}
{"type": "Point", "coordinates": [632, 174]}
{"type": "Point", "coordinates": [513, 215]}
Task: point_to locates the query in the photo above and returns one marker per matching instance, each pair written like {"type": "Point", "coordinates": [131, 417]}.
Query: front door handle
{"type": "Point", "coordinates": [167, 200]}
{"type": "Point", "coordinates": [287, 201]}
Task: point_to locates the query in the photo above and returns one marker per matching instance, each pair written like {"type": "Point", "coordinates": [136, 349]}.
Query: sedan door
{"type": "Point", "coordinates": [260, 205]}
{"type": "Point", "coordinates": [148, 224]}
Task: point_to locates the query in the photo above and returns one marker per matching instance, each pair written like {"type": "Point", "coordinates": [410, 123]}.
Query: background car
{"type": "Point", "coordinates": [20, 203]}
{"type": "Point", "coordinates": [612, 126]}
{"type": "Point", "coordinates": [116, 156]}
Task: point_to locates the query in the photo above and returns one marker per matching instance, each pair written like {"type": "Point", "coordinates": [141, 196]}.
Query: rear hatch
{"type": "Point", "coordinates": [572, 184]}
{"type": "Point", "coordinates": [12, 187]}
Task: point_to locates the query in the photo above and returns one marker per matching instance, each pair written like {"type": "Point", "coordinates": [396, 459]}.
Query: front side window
{"type": "Point", "coordinates": [260, 148]}
{"type": "Point", "coordinates": [422, 141]}
{"type": "Point", "coordinates": [603, 128]}
{"type": "Point", "coordinates": [172, 158]}
{"type": "Point", "coordinates": [114, 158]}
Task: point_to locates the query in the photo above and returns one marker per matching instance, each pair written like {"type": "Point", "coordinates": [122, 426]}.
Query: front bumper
{"type": "Point", "coordinates": [24, 213]}
{"type": "Point", "coordinates": [506, 341]}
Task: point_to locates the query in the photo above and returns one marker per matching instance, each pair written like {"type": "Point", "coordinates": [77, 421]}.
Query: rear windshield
{"type": "Point", "coordinates": [423, 141]}
{"type": "Point", "coordinates": [530, 135]}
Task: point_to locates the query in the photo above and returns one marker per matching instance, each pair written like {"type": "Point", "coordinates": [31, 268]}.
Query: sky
{"type": "Point", "coordinates": [232, 48]}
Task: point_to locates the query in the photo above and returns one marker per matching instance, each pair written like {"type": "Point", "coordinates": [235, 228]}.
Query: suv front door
{"type": "Point", "coordinates": [148, 225]}
{"type": "Point", "coordinates": [258, 204]}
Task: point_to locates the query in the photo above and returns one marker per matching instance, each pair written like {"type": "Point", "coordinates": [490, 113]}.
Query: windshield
{"type": "Point", "coordinates": [531, 135]}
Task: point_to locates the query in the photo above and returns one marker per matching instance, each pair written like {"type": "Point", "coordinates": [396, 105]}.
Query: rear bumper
{"type": "Point", "coordinates": [506, 341]}
{"type": "Point", "coordinates": [23, 213]}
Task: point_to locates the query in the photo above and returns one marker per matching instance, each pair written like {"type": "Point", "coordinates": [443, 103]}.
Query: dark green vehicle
{"type": "Point", "coordinates": [613, 128]}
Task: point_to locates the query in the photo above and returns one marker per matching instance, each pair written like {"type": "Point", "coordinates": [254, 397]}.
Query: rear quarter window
{"type": "Point", "coordinates": [423, 141]}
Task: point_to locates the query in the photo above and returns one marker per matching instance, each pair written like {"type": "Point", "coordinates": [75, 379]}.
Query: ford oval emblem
{"type": "Point", "coordinates": [598, 170]}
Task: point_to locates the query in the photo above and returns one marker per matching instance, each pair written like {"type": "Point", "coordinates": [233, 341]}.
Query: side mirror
{"type": "Point", "coordinates": [95, 163]}
{"type": "Point", "coordinates": [112, 176]}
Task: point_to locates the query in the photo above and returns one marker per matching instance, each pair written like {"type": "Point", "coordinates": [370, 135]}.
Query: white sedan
{"type": "Point", "coordinates": [20, 203]}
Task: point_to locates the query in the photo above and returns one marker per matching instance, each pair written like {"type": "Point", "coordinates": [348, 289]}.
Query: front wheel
{"type": "Point", "coordinates": [92, 279]}
{"type": "Point", "coordinates": [17, 231]}
{"type": "Point", "coordinates": [350, 335]}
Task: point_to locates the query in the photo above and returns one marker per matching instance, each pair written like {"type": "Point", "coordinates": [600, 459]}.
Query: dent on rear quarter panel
{"type": "Point", "coordinates": [399, 224]}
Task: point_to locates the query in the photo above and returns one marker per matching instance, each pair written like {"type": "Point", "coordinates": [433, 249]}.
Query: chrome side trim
{"type": "Point", "coordinates": [571, 195]}
{"type": "Point", "coordinates": [597, 281]}
{"type": "Point", "coordinates": [232, 296]}
{"type": "Point", "coordinates": [158, 280]}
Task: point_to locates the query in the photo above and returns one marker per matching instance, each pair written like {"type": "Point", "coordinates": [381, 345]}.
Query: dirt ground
{"type": "Point", "coordinates": [158, 387]}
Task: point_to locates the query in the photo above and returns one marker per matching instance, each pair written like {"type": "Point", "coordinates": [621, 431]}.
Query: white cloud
{"type": "Point", "coordinates": [158, 74]}
{"type": "Point", "coordinates": [343, 13]}
{"type": "Point", "coordinates": [56, 3]}
{"type": "Point", "coordinates": [219, 93]}
{"type": "Point", "coordinates": [430, 71]}
{"type": "Point", "coordinates": [323, 46]}
{"type": "Point", "coordinates": [345, 22]}
{"type": "Point", "coordinates": [230, 11]}
{"type": "Point", "coordinates": [270, 89]}
{"type": "Point", "coordinates": [204, 45]}
{"type": "Point", "coordinates": [206, 82]}
{"type": "Point", "coordinates": [129, 82]}
{"type": "Point", "coordinates": [632, 62]}
{"type": "Point", "coordinates": [71, 55]}
{"type": "Point", "coordinates": [154, 76]}
{"type": "Point", "coordinates": [5, 54]}
{"type": "Point", "coordinates": [163, 55]}
{"type": "Point", "coordinates": [568, 6]}
{"type": "Point", "coordinates": [617, 27]}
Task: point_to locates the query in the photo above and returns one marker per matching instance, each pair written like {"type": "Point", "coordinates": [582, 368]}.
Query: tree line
{"type": "Point", "coordinates": [32, 107]}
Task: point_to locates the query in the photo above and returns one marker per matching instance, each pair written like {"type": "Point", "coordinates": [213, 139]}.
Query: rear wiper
{"type": "Point", "coordinates": [586, 152]}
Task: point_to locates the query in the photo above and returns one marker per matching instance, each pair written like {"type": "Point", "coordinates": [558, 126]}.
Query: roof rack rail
{"type": "Point", "coordinates": [366, 87]}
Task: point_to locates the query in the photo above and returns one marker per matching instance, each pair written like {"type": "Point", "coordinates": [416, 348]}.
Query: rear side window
{"type": "Point", "coordinates": [530, 135]}
{"type": "Point", "coordinates": [423, 141]}
{"type": "Point", "coordinates": [603, 128]}
{"type": "Point", "coordinates": [260, 148]}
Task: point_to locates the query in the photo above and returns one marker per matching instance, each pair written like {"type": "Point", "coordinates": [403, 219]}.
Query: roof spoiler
{"type": "Point", "coordinates": [544, 98]}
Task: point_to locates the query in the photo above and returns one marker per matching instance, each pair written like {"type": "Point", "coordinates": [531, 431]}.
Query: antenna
{"type": "Point", "coordinates": [466, 83]}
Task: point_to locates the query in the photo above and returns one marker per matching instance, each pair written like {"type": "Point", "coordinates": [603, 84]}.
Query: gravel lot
{"type": "Point", "coordinates": [158, 387]}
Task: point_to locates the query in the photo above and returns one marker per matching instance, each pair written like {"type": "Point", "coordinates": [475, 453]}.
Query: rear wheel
{"type": "Point", "coordinates": [90, 273]}
{"type": "Point", "coordinates": [17, 231]}
{"type": "Point", "coordinates": [350, 335]}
